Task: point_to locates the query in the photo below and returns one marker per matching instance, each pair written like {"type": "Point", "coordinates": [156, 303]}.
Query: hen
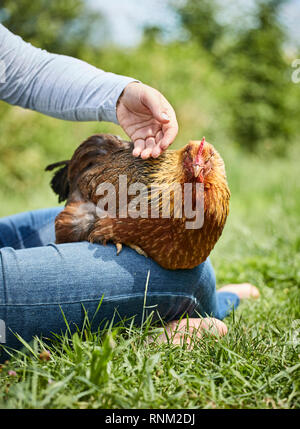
{"type": "Point", "coordinates": [167, 230]}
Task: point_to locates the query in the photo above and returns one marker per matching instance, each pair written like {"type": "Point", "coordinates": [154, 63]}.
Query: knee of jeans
{"type": "Point", "coordinates": [184, 291]}
{"type": "Point", "coordinates": [200, 281]}
{"type": "Point", "coordinates": [200, 292]}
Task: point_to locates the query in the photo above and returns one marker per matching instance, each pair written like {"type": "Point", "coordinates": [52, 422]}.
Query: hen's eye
{"type": "Point", "coordinates": [212, 154]}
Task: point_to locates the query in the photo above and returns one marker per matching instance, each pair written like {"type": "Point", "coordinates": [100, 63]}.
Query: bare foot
{"type": "Point", "coordinates": [243, 290]}
{"type": "Point", "coordinates": [183, 331]}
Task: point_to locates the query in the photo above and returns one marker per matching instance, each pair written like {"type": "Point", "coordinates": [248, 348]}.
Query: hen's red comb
{"type": "Point", "coordinates": [200, 150]}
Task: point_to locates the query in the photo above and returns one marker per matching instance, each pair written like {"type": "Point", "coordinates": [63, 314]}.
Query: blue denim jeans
{"type": "Point", "coordinates": [39, 280]}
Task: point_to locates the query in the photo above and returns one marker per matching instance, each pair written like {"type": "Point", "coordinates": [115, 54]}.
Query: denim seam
{"type": "Point", "coordinates": [4, 288]}
{"type": "Point", "coordinates": [200, 281]}
{"type": "Point", "coordinates": [3, 277]}
{"type": "Point", "coordinates": [120, 297]}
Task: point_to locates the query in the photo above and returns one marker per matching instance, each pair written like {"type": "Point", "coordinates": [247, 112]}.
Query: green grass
{"type": "Point", "coordinates": [256, 365]}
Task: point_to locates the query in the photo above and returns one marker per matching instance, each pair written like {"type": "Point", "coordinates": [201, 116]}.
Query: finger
{"type": "Point", "coordinates": [157, 150]}
{"type": "Point", "coordinates": [150, 144]}
{"type": "Point", "coordinates": [169, 136]}
{"type": "Point", "coordinates": [145, 129]}
{"type": "Point", "coordinates": [164, 117]}
{"type": "Point", "coordinates": [157, 104]}
{"type": "Point", "coordinates": [158, 137]}
{"type": "Point", "coordinates": [139, 146]}
{"type": "Point", "coordinates": [169, 130]}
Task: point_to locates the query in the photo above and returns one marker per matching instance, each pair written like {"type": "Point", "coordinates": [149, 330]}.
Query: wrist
{"type": "Point", "coordinates": [128, 88]}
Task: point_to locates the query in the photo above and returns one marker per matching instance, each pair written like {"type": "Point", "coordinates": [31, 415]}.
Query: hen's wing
{"type": "Point", "coordinates": [98, 159]}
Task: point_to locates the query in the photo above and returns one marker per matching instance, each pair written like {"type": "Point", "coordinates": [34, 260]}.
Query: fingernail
{"type": "Point", "coordinates": [165, 116]}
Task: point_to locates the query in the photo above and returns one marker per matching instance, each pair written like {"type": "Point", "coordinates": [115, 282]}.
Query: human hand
{"type": "Point", "coordinates": [147, 118]}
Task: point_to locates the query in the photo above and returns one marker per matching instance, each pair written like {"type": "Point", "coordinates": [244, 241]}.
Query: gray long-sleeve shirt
{"type": "Point", "coordinates": [56, 85]}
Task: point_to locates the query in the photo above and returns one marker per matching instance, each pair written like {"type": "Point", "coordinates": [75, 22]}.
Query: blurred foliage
{"type": "Point", "coordinates": [261, 109]}
{"type": "Point", "coordinates": [198, 17]}
{"type": "Point", "coordinates": [61, 26]}
{"type": "Point", "coordinates": [242, 100]}
{"type": "Point", "coordinates": [261, 100]}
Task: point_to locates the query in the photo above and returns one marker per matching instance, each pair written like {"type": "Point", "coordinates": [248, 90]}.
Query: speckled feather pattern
{"type": "Point", "coordinates": [102, 158]}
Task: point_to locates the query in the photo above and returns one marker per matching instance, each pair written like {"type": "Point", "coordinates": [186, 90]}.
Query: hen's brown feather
{"type": "Point", "coordinates": [102, 158]}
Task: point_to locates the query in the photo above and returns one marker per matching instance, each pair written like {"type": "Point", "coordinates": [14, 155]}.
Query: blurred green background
{"type": "Point", "coordinates": [230, 80]}
{"type": "Point", "coordinates": [228, 73]}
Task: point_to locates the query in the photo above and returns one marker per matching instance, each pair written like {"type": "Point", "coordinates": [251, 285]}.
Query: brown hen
{"type": "Point", "coordinates": [145, 220]}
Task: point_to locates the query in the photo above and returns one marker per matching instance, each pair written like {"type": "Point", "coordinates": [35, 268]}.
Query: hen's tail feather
{"type": "Point", "coordinates": [56, 164]}
{"type": "Point", "coordinates": [59, 182]}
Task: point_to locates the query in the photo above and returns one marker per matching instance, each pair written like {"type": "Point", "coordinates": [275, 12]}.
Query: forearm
{"type": "Point", "coordinates": [56, 85]}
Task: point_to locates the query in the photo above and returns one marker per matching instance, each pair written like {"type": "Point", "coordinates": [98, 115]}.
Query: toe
{"type": "Point", "coordinates": [214, 326]}
{"type": "Point", "coordinates": [179, 332]}
{"type": "Point", "coordinates": [243, 290]}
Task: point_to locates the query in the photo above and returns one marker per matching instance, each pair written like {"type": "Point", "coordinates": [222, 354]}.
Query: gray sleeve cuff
{"type": "Point", "coordinates": [108, 108]}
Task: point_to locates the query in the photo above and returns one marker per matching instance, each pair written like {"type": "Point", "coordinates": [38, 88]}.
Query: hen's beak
{"type": "Point", "coordinates": [197, 169]}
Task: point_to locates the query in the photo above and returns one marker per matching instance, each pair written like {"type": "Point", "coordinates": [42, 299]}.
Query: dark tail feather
{"type": "Point", "coordinates": [59, 182]}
